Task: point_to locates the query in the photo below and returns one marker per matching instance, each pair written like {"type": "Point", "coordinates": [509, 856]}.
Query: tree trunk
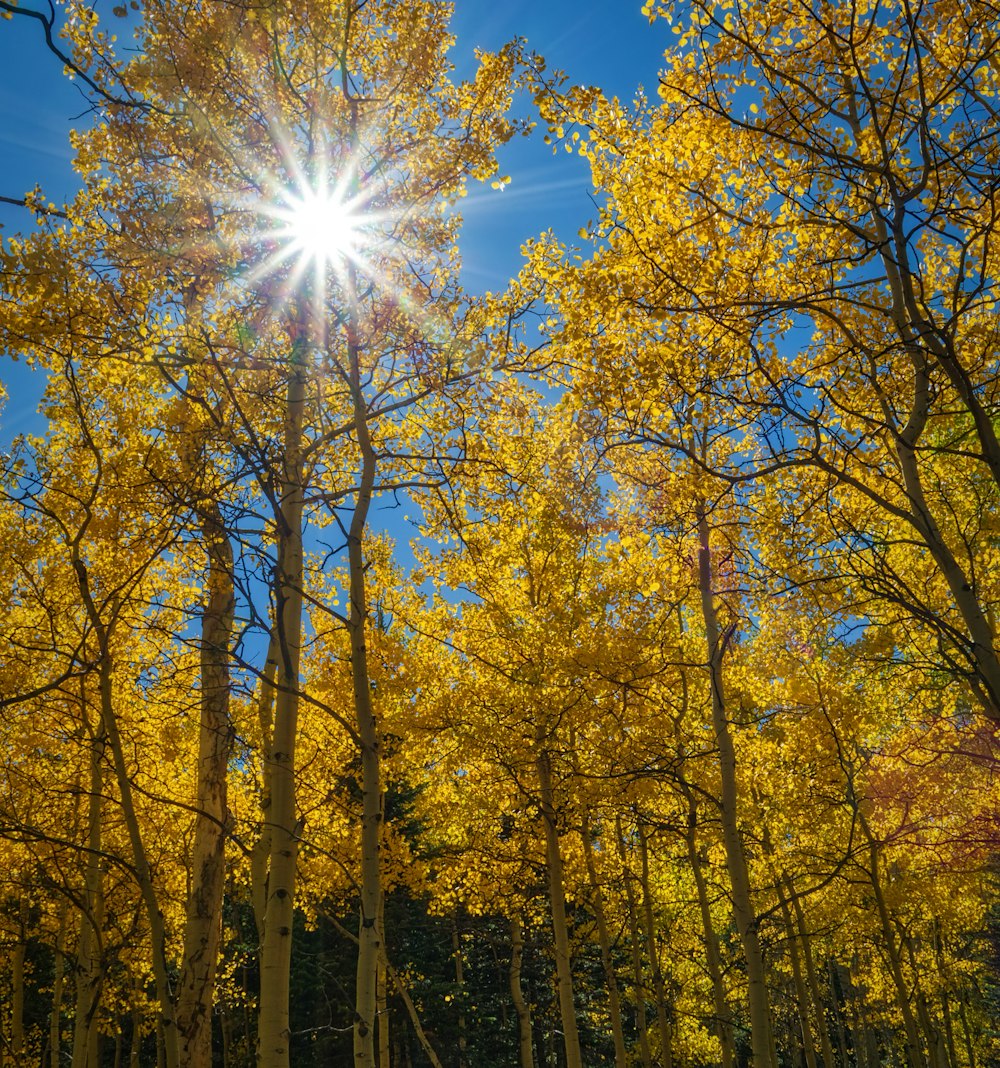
{"type": "Point", "coordinates": [801, 996]}
{"type": "Point", "coordinates": [557, 903]}
{"type": "Point", "coordinates": [723, 1014]}
{"type": "Point", "coordinates": [135, 1046]}
{"type": "Point", "coordinates": [411, 1011]}
{"type": "Point", "coordinates": [369, 933]}
{"type": "Point", "coordinates": [58, 983]}
{"type": "Point", "coordinates": [805, 940]}
{"type": "Point", "coordinates": [283, 831]}
{"type": "Point", "coordinates": [838, 1015]}
{"type": "Point", "coordinates": [610, 979]}
{"type": "Point", "coordinates": [143, 873]}
{"type": "Point", "coordinates": [914, 1051]}
{"type": "Point", "coordinates": [382, 996]}
{"type": "Point", "coordinates": [141, 867]}
{"type": "Point", "coordinates": [638, 983]}
{"type": "Point", "coordinates": [17, 980]}
{"type": "Point", "coordinates": [525, 1058]}
{"type": "Point", "coordinates": [837, 1003]}
{"type": "Point", "coordinates": [653, 953]}
{"type": "Point", "coordinates": [970, 1049]}
{"type": "Point", "coordinates": [89, 975]}
{"type": "Point", "coordinates": [260, 852]}
{"type": "Point", "coordinates": [761, 1037]}
{"type": "Point", "coordinates": [203, 929]}
{"type": "Point", "coordinates": [456, 951]}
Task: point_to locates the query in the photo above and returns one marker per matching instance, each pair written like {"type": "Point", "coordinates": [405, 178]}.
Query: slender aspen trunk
{"type": "Point", "coordinates": [17, 980]}
{"type": "Point", "coordinates": [261, 850]}
{"type": "Point", "coordinates": [838, 1014]}
{"type": "Point", "coordinates": [525, 1058]}
{"type": "Point", "coordinates": [723, 1014]}
{"type": "Point", "coordinates": [143, 873]}
{"type": "Point", "coordinates": [382, 996]}
{"type": "Point", "coordinates": [203, 929]}
{"type": "Point", "coordinates": [970, 1050]}
{"type": "Point", "coordinates": [89, 975]}
{"type": "Point", "coordinates": [557, 904]}
{"type": "Point", "coordinates": [949, 1032]}
{"type": "Point", "coordinates": [141, 867]}
{"type": "Point", "coordinates": [936, 1054]}
{"type": "Point", "coordinates": [283, 831]}
{"type": "Point", "coordinates": [226, 1027]}
{"type": "Point", "coordinates": [456, 952]}
{"type": "Point", "coordinates": [801, 995]}
{"type": "Point", "coordinates": [805, 940]}
{"type": "Point", "coordinates": [369, 932]}
{"type": "Point", "coordinates": [653, 953]}
{"type": "Point", "coordinates": [945, 972]}
{"type": "Point", "coordinates": [761, 1037]}
{"type": "Point", "coordinates": [865, 1043]}
{"type": "Point", "coordinates": [135, 1047]}
{"type": "Point", "coordinates": [58, 984]}
{"type": "Point", "coordinates": [914, 1051]}
{"type": "Point", "coordinates": [638, 983]}
{"type": "Point", "coordinates": [411, 1011]}
{"type": "Point", "coordinates": [610, 979]}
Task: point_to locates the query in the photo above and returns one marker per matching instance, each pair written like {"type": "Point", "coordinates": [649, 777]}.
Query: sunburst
{"type": "Point", "coordinates": [320, 228]}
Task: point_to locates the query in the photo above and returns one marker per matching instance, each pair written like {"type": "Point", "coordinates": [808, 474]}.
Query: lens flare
{"type": "Point", "coordinates": [319, 228]}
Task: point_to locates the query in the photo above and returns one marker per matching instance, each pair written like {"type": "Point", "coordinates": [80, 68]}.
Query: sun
{"type": "Point", "coordinates": [319, 228]}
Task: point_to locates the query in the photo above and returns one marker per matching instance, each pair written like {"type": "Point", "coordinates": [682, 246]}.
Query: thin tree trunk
{"type": "Point", "coordinates": [557, 903]}
{"type": "Point", "coordinates": [862, 1032]}
{"type": "Point", "coordinates": [382, 996]}
{"type": "Point", "coordinates": [611, 980]}
{"type": "Point", "coordinates": [143, 872]}
{"type": "Point", "coordinates": [838, 1014]}
{"type": "Point", "coordinates": [638, 983]}
{"type": "Point", "coordinates": [456, 952]}
{"type": "Point", "coordinates": [944, 971]}
{"type": "Point", "coordinates": [936, 1054]}
{"type": "Point", "coordinates": [949, 1032]}
{"type": "Point", "coordinates": [653, 953]}
{"type": "Point", "coordinates": [58, 983]}
{"type": "Point", "coordinates": [525, 1058]}
{"type": "Point", "coordinates": [226, 1026]}
{"type": "Point", "coordinates": [761, 1037]}
{"type": "Point", "coordinates": [970, 1050]}
{"type": "Point", "coordinates": [203, 929]}
{"type": "Point", "coordinates": [283, 831]}
{"type": "Point", "coordinates": [805, 940]}
{"type": "Point", "coordinates": [261, 850]}
{"type": "Point", "coordinates": [723, 1014]}
{"type": "Point", "coordinates": [89, 975]}
{"type": "Point", "coordinates": [801, 995]}
{"type": "Point", "coordinates": [370, 935]}
{"type": "Point", "coordinates": [17, 980]}
{"type": "Point", "coordinates": [411, 1009]}
{"type": "Point", "coordinates": [915, 1053]}
{"type": "Point", "coordinates": [135, 1047]}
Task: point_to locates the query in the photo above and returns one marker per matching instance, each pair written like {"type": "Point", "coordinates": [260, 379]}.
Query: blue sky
{"type": "Point", "coordinates": [604, 42]}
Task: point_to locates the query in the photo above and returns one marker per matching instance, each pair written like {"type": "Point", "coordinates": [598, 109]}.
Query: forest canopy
{"type": "Point", "coordinates": [658, 723]}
